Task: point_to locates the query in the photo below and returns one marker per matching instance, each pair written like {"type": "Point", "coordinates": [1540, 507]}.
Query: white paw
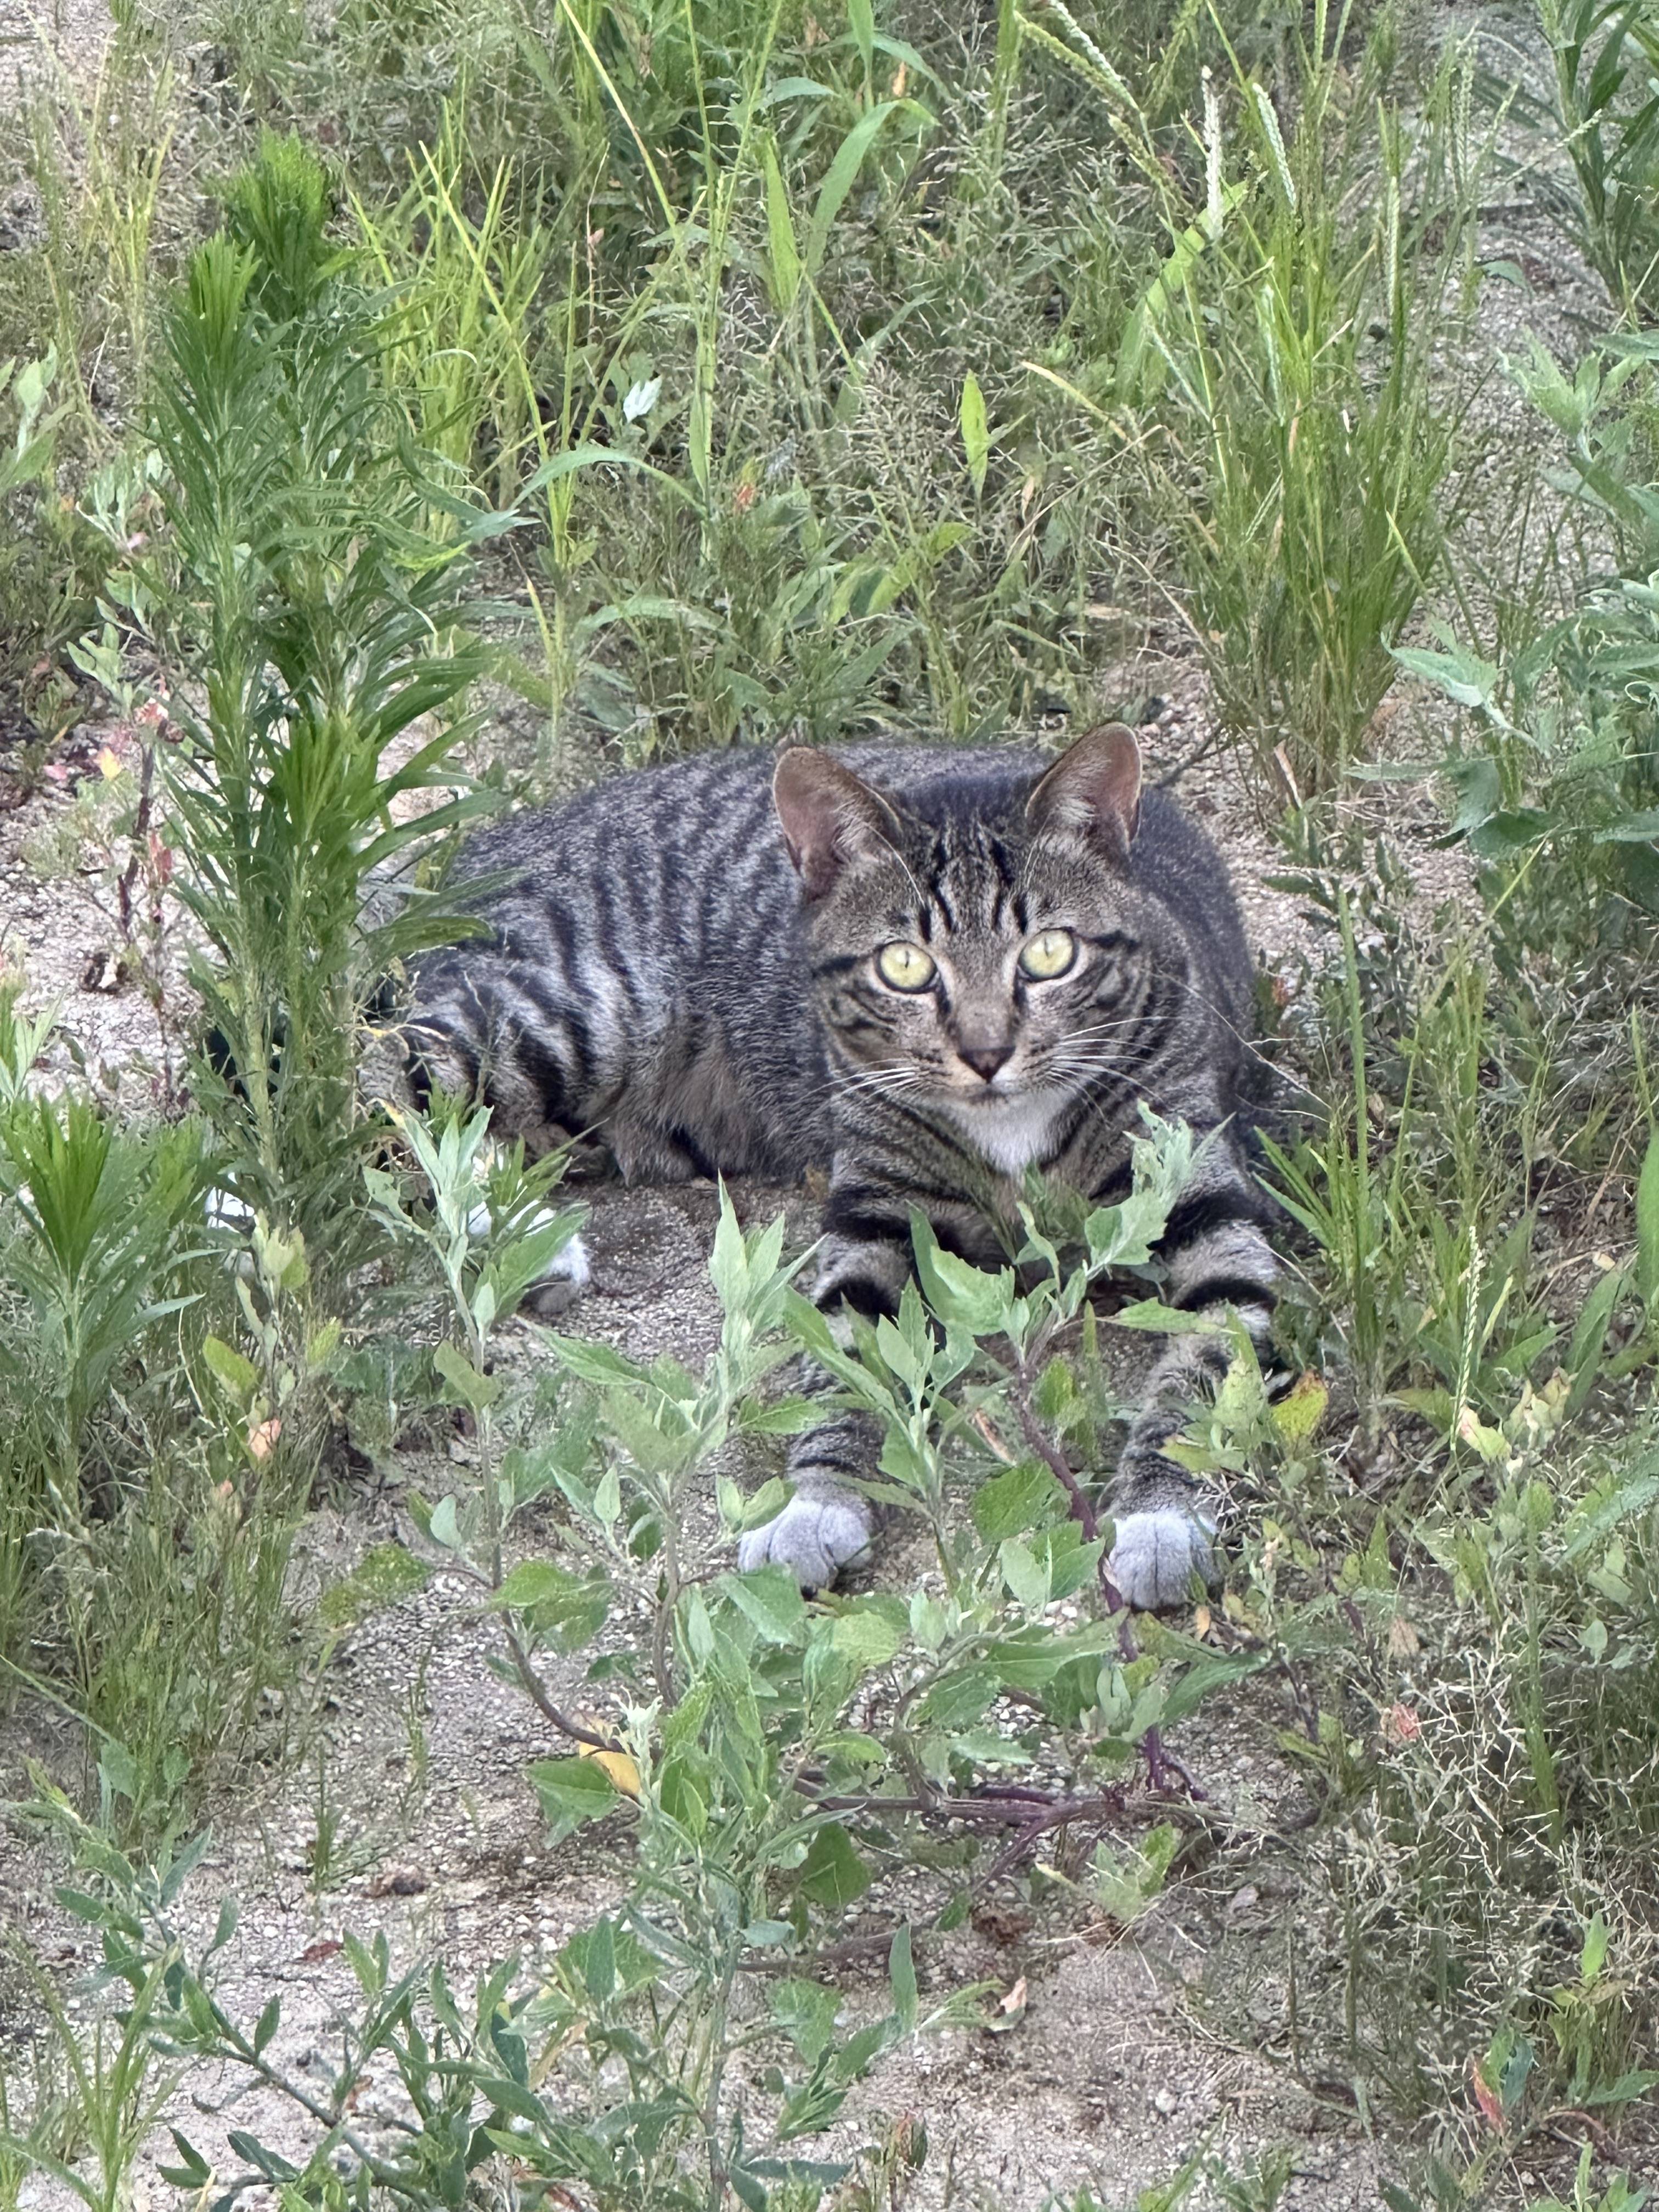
{"type": "Point", "coordinates": [1155, 1555]}
{"type": "Point", "coordinates": [566, 1275]}
{"type": "Point", "coordinates": [225, 1210]}
{"type": "Point", "coordinates": [562, 1281]}
{"type": "Point", "coordinates": [812, 1536]}
{"type": "Point", "coordinates": [569, 1264]}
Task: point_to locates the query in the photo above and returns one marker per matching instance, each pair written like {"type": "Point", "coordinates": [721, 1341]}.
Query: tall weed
{"type": "Point", "coordinates": [303, 588]}
{"type": "Point", "coordinates": [1289, 343]}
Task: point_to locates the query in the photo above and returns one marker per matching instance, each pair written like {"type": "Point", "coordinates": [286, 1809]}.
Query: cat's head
{"type": "Point", "coordinates": [979, 958]}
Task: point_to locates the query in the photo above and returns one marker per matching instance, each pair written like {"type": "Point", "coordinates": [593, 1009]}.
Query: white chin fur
{"type": "Point", "coordinates": [1011, 1134]}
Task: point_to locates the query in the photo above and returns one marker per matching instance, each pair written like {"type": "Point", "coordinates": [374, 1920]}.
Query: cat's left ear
{"type": "Point", "coordinates": [829, 818]}
{"type": "Point", "coordinates": [1092, 792]}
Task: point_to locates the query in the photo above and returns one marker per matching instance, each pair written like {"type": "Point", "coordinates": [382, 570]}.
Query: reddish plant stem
{"type": "Point", "coordinates": [1161, 1762]}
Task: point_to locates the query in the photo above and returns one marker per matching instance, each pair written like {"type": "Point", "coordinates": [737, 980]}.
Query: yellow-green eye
{"type": "Point", "coordinates": [905, 967]}
{"type": "Point", "coordinates": [1049, 953]}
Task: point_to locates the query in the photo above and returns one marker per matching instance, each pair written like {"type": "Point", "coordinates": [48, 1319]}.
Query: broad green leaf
{"type": "Point", "coordinates": [594, 1363]}
{"type": "Point", "coordinates": [466, 1386]}
{"type": "Point", "coordinates": [866, 1636]}
{"type": "Point", "coordinates": [1171, 1321]}
{"type": "Point", "coordinates": [1026, 1575]}
{"type": "Point", "coordinates": [769, 1598]}
{"type": "Point", "coordinates": [975, 430]}
{"type": "Point", "coordinates": [572, 1792]}
{"type": "Point", "coordinates": [958, 1699]}
{"type": "Point", "coordinates": [832, 1874]}
{"type": "Point", "coordinates": [382, 1577]}
{"type": "Point", "coordinates": [805, 2011]}
{"type": "Point", "coordinates": [567, 1610]}
{"type": "Point", "coordinates": [1027, 1496]}
{"type": "Point", "coordinates": [237, 1374]}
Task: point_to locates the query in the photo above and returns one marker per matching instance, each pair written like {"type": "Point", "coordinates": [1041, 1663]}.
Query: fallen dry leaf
{"type": "Point", "coordinates": [1404, 1642]}
{"type": "Point", "coordinates": [398, 1881]}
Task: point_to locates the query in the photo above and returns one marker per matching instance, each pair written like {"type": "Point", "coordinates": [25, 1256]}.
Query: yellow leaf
{"type": "Point", "coordinates": [624, 1775]}
{"type": "Point", "coordinates": [1301, 1410]}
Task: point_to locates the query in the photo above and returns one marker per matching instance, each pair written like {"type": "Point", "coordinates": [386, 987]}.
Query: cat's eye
{"type": "Point", "coordinates": [905, 967]}
{"type": "Point", "coordinates": [1049, 953]}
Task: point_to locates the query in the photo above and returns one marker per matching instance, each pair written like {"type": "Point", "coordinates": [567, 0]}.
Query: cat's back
{"type": "Point", "coordinates": [685, 828]}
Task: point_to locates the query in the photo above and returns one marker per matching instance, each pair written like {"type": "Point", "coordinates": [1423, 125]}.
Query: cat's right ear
{"type": "Point", "coordinates": [1092, 792]}
{"type": "Point", "coordinates": [829, 818]}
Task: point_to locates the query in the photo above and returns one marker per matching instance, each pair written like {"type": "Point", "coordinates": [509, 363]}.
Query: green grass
{"type": "Point", "coordinates": [722, 374]}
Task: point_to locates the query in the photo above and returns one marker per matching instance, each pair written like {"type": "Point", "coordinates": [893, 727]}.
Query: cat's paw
{"type": "Point", "coordinates": [564, 1279]}
{"type": "Point", "coordinates": [814, 1536]}
{"type": "Point", "coordinates": [566, 1275]}
{"type": "Point", "coordinates": [1154, 1556]}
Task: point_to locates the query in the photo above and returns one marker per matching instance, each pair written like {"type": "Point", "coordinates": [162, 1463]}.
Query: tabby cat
{"type": "Point", "coordinates": [924, 969]}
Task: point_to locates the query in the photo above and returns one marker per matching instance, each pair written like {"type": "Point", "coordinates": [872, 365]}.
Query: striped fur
{"type": "Point", "coordinates": [671, 975]}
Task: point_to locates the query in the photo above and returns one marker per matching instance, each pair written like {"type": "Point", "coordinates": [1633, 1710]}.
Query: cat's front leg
{"type": "Point", "coordinates": [1220, 1263]}
{"type": "Point", "coordinates": [829, 1524]}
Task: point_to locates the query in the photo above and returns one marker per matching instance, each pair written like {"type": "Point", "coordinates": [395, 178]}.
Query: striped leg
{"type": "Point", "coordinates": [828, 1524]}
{"type": "Point", "coordinates": [1219, 1260]}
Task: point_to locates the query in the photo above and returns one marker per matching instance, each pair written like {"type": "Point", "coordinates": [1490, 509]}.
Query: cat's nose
{"type": "Point", "coordinates": [985, 1059]}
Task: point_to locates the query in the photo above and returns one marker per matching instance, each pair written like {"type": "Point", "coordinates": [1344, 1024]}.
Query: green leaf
{"type": "Point", "coordinates": [843, 172]}
{"type": "Point", "coordinates": [466, 1386]}
{"type": "Point", "coordinates": [1626, 2090]}
{"type": "Point", "coordinates": [805, 2011]}
{"type": "Point", "coordinates": [567, 1610]}
{"type": "Point", "coordinates": [572, 1792]}
{"type": "Point", "coordinates": [1027, 1496]}
{"type": "Point", "coordinates": [784, 271]}
{"type": "Point", "coordinates": [1590, 1336]}
{"type": "Point", "coordinates": [956, 1290]}
{"type": "Point", "coordinates": [383, 1576]}
{"type": "Point", "coordinates": [594, 1363]}
{"type": "Point", "coordinates": [958, 1699]}
{"type": "Point", "coordinates": [769, 1598]}
{"type": "Point", "coordinates": [975, 430]}
{"type": "Point", "coordinates": [832, 1874]}
{"type": "Point", "coordinates": [862, 21]}
{"type": "Point", "coordinates": [239, 1376]}
{"type": "Point", "coordinates": [1026, 1575]}
{"type": "Point", "coordinates": [1151, 1314]}
{"type": "Point", "coordinates": [767, 1502]}
{"type": "Point", "coordinates": [866, 1637]}
{"type": "Point", "coordinates": [1647, 1225]}
{"type": "Point", "coordinates": [1462, 676]}
{"type": "Point", "coordinates": [901, 1976]}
